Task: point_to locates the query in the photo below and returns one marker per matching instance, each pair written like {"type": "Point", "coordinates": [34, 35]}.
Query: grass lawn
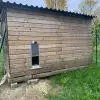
{"type": "Point", "coordinates": [1, 65]}
{"type": "Point", "coordinates": [83, 84]}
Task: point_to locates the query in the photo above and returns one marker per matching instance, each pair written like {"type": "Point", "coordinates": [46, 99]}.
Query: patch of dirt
{"type": "Point", "coordinates": [55, 91]}
{"type": "Point", "coordinates": [26, 92]}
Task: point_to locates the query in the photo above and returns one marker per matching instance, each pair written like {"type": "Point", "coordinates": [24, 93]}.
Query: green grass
{"type": "Point", "coordinates": [1, 65]}
{"type": "Point", "coordinates": [83, 84]}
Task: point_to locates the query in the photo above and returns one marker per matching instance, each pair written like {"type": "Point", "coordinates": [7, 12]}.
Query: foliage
{"type": "Point", "coordinates": [97, 26]}
{"type": "Point", "coordinates": [96, 30]}
{"type": "Point", "coordinates": [97, 12]}
{"type": "Point", "coordinates": [98, 54]}
{"type": "Point", "coordinates": [87, 6]}
{"type": "Point", "coordinates": [56, 4]}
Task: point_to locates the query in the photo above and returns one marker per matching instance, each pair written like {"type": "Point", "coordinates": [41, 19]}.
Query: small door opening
{"type": "Point", "coordinates": [35, 60]}
{"type": "Point", "coordinates": [35, 54]}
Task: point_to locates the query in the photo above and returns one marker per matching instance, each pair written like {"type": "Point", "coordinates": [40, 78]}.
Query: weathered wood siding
{"type": "Point", "coordinates": [64, 41]}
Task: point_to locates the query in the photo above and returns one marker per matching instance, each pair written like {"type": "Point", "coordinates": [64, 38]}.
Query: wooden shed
{"type": "Point", "coordinates": [40, 42]}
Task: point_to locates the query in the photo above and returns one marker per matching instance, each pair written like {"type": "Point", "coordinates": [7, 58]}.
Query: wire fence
{"type": "Point", "coordinates": [96, 49]}
{"type": "Point", "coordinates": [1, 65]}
{"type": "Point", "coordinates": [97, 56]}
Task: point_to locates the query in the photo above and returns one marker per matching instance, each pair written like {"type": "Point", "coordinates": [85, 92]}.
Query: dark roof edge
{"type": "Point", "coordinates": [67, 13]}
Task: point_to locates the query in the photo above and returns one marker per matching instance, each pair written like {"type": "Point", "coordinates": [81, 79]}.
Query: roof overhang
{"type": "Point", "coordinates": [36, 9]}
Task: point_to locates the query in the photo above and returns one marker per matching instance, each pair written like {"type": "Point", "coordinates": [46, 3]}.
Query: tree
{"type": "Point", "coordinates": [87, 6]}
{"type": "Point", "coordinates": [95, 30]}
{"type": "Point", "coordinates": [97, 12]}
{"type": "Point", "coordinates": [57, 4]}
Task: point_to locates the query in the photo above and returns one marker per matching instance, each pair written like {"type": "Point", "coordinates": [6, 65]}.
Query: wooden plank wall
{"type": "Point", "coordinates": [64, 41]}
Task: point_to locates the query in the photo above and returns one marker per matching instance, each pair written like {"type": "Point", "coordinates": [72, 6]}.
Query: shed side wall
{"type": "Point", "coordinates": [64, 41]}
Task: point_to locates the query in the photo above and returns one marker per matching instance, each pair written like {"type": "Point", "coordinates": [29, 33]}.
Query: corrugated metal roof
{"type": "Point", "coordinates": [36, 8]}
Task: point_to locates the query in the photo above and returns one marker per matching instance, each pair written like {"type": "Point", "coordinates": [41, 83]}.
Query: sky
{"type": "Point", "coordinates": [72, 4]}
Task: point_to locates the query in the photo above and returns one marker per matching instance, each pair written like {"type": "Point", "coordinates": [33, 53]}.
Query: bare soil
{"type": "Point", "coordinates": [26, 92]}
